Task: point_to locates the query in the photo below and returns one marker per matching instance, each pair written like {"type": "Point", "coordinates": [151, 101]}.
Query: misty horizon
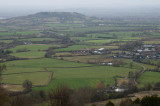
{"type": "Point", "coordinates": [99, 8]}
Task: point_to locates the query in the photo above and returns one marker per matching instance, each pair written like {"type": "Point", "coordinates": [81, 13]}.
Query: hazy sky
{"type": "Point", "coordinates": [77, 3]}
{"type": "Point", "coordinates": [16, 6]}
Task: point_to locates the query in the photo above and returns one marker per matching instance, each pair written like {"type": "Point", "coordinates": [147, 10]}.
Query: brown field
{"type": "Point", "coordinates": [13, 88]}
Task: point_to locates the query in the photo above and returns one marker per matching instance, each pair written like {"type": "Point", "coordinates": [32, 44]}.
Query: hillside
{"type": "Point", "coordinates": [44, 18]}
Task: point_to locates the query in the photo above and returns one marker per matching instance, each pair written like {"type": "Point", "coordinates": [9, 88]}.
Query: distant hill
{"type": "Point", "coordinates": [60, 15]}
{"type": "Point", "coordinates": [45, 18]}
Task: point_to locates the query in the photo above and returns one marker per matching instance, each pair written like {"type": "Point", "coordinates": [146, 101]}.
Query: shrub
{"type": "Point", "coordinates": [109, 104]}
{"type": "Point", "coordinates": [27, 85]}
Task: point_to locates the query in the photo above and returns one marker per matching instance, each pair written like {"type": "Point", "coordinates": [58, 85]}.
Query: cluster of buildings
{"type": "Point", "coordinates": [147, 52]}
{"type": "Point", "coordinates": [99, 51]}
{"type": "Point", "coordinates": [143, 52]}
{"type": "Point", "coordinates": [27, 43]}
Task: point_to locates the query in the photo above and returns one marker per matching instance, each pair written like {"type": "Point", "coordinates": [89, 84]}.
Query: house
{"type": "Point", "coordinates": [101, 49]}
{"type": "Point", "coordinates": [110, 64]}
{"type": "Point", "coordinates": [139, 50]}
{"type": "Point", "coordinates": [148, 46]}
{"type": "Point", "coordinates": [119, 90]}
{"type": "Point", "coordinates": [97, 52]}
{"type": "Point", "coordinates": [27, 43]}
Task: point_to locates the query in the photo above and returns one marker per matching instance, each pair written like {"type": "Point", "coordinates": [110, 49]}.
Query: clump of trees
{"type": "Point", "coordinates": [27, 85]}
{"type": "Point", "coordinates": [3, 93]}
{"type": "Point", "coordinates": [109, 104]}
{"type": "Point", "coordinates": [2, 68]}
{"type": "Point", "coordinates": [117, 62]}
{"type": "Point", "coordinates": [130, 45]}
{"type": "Point", "coordinates": [64, 96]}
{"type": "Point", "coordinates": [22, 50]}
{"type": "Point", "coordinates": [145, 101]}
{"type": "Point", "coordinates": [50, 52]}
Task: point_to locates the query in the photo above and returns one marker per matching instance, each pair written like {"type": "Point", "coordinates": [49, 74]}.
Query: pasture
{"type": "Point", "coordinates": [38, 39]}
{"type": "Point", "coordinates": [73, 48]}
{"type": "Point", "coordinates": [68, 67]}
{"type": "Point", "coordinates": [37, 78]}
{"type": "Point", "coordinates": [29, 54]}
{"type": "Point", "coordinates": [34, 47]}
{"type": "Point", "coordinates": [35, 70]}
{"type": "Point", "coordinates": [42, 63]}
{"type": "Point", "coordinates": [85, 76]}
{"type": "Point", "coordinates": [149, 77]}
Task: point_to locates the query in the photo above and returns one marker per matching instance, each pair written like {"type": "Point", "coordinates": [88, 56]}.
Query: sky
{"type": "Point", "coordinates": [78, 3]}
{"type": "Point", "coordinates": [27, 6]}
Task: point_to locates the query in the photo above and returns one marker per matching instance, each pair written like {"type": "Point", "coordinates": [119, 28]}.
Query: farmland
{"type": "Point", "coordinates": [76, 51]}
{"type": "Point", "coordinates": [85, 76]}
{"type": "Point", "coordinates": [149, 77]}
{"type": "Point", "coordinates": [70, 73]}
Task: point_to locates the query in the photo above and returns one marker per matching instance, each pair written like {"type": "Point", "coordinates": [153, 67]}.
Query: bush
{"type": "Point", "coordinates": [22, 50]}
{"type": "Point", "coordinates": [3, 96]}
{"type": "Point", "coordinates": [127, 102]}
{"type": "Point", "coordinates": [27, 85]}
{"type": "Point", "coordinates": [81, 97]}
{"type": "Point", "coordinates": [60, 96]}
{"type": "Point", "coordinates": [20, 101]}
{"type": "Point", "coordinates": [109, 104]}
{"type": "Point", "coordinates": [150, 101]}
{"type": "Point", "coordinates": [137, 101]}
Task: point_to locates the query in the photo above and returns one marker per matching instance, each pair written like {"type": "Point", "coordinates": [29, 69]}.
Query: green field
{"type": "Point", "coordinates": [72, 74]}
{"type": "Point", "coordinates": [38, 78]}
{"type": "Point", "coordinates": [11, 33]}
{"type": "Point", "coordinates": [30, 54]}
{"type": "Point", "coordinates": [33, 47]}
{"type": "Point", "coordinates": [72, 48]}
{"type": "Point", "coordinates": [101, 58]}
{"type": "Point", "coordinates": [101, 41]}
{"type": "Point", "coordinates": [152, 42]}
{"type": "Point", "coordinates": [37, 39]}
{"type": "Point", "coordinates": [6, 41]}
{"type": "Point", "coordinates": [69, 67]}
{"type": "Point", "coordinates": [41, 63]}
{"type": "Point", "coordinates": [34, 70]}
{"type": "Point", "coordinates": [14, 70]}
{"type": "Point", "coordinates": [149, 77]}
{"type": "Point", "coordinates": [85, 76]}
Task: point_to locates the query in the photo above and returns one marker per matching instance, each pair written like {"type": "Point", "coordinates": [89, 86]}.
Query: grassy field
{"type": "Point", "coordinates": [81, 47]}
{"type": "Point", "coordinates": [149, 66]}
{"type": "Point", "coordinates": [38, 78]}
{"type": "Point", "coordinates": [154, 61]}
{"type": "Point", "coordinates": [152, 42]}
{"type": "Point", "coordinates": [33, 47]}
{"type": "Point", "coordinates": [101, 41]}
{"type": "Point", "coordinates": [34, 70]}
{"type": "Point", "coordinates": [108, 41]}
{"type": "Point", "coordinates": [85, 76]}
{"type": "Point", "coordinates": [72, 48]}
{"type": "Point", "coordinates": [89, 35]}
{"type": "Point", "coordinates": [11, 33]}
{"type": "Point", "coordinates": [6, 41]}
{"type": "Point", "coordinates": [100, 59]}
{"type": "Point", "coordinates": [149, 77]}
{"type": "Point", "coordinates": [72, 74]}
{"type": "Point", "coordinates": [38, 39]}
{"type": "Point", "coordinates": [30, 54]}
{"type": "Point", "coordinates": [44, 62]}
{"type": "Point", "coordinates": [14, 70]}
